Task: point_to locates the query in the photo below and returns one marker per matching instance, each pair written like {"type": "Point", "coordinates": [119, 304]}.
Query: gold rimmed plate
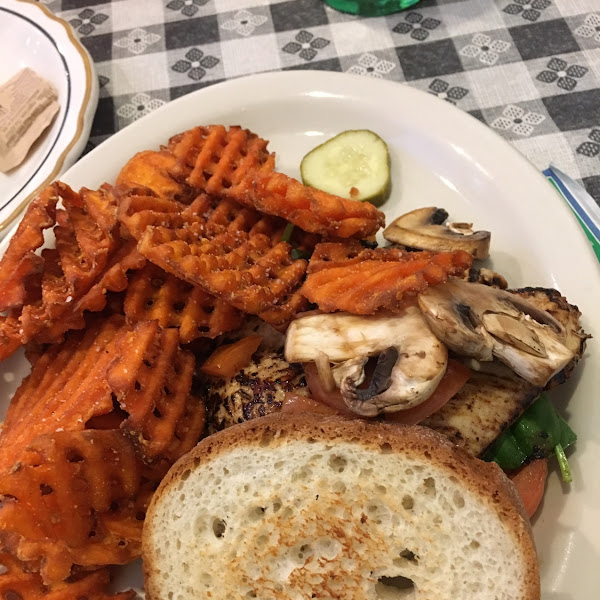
{"type": "Point", "coordinates": [33, 37]}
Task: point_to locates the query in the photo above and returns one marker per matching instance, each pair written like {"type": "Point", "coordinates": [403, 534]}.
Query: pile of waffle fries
{"type": "Point", "coordinates": [117, 294]}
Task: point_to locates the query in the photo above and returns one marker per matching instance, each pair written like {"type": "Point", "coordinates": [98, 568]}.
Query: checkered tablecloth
{"type": "Point", "coordinates": [529, 69]}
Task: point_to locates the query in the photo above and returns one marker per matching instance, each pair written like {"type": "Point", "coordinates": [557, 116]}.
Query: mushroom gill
{"type": "Point", "coordinates": [484, 322]}
{"type": "Point", "coordinates": [424, 229]}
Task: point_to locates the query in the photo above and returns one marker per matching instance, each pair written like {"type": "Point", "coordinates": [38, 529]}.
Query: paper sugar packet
{"type": "Point", "coordinates": [28, 104]}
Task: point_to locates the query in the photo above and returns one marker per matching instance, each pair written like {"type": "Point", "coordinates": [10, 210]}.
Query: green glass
{"type": "Point", "coordinates": [370, 8]}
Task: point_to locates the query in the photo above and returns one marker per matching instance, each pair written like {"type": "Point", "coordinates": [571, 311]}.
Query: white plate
{"type": "Point", "coordinates": [33, 37]}
{"type": "Point", "coordinates": [442, 157]}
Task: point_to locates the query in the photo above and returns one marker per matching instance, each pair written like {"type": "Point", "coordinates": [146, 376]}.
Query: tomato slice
{"type": "Point", "coordinates": [530, 482]}
{"type": "Point", "coordinates": [453, 380]}
{"type": "Point", "coordinates": [295, 403]}
{"type": "Point", "coordinates": [230, 359]}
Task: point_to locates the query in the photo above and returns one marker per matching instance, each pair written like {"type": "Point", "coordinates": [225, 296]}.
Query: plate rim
{"type": "Point", "coordinates": [83, 116]}
{"type": "Point", "coordinates": [67, 73]}
{"type": "Point", "coordinates": [321, 79]}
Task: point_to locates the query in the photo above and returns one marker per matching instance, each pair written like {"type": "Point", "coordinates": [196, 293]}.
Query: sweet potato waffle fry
{"type": "Point", "coordinates": [279, 315]}
{"type": "Point", "coordinates": [151, 378]}
{"type": "Point", "coordinates": [113, 279]}
{"type": "Point", "coordinates": [231, 252]}
{"type": "Point", "coordinates": [215, 158]}
{"type": "Point", "coordinates": [21, 267]}
{"type": "Point", "coordinates": [346, 276]}
{"type": "Point", "coordinates": [77, 384]}
{"type": "Point", "coordinates": [18, 584]}
{"type": "Point", "coordinates": [151, 170]}
{"type": "Point", "coordinates": [54, 495]}
{"type": "Point", "coordinates": [77, 435]}
{"type": "Point", "coordinates": [66, 388]}
{"type": "Point", "coordinates": [85, 235]}
{"type": "Point", "coordinates": [10, 333]}
{"type": "Point", "coordinates": [312, 210]}
{"type": "Point", "coordinates": [140, 208]}
{"type": "Point", "coordinates": [250, 272]}
{"type": "Point", "coordinates": [20, 263]}
{"type": "Point", "coordinates": [235, 163]}
{"type": "Point", "coordinates": [89, 259]}
{"type": "Point", "coordinates": [154, 294]}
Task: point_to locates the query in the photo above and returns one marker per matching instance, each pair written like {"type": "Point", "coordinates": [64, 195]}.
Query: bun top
{"type": "Point", "coordinates": [295, 506]}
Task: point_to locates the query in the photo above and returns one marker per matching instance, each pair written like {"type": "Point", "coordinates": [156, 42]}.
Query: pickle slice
{"type": "Point", "coordinates": [355, 164]}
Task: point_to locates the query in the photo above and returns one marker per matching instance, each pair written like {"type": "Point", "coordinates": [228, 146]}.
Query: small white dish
{"type": "Point", "coordinates": [443, 157]}
{"type": "Point", "coordinates": [33, 37]}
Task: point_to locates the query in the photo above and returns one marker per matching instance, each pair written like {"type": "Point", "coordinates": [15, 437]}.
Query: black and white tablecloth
{"type": "Point", "coordinates": [529, 69]}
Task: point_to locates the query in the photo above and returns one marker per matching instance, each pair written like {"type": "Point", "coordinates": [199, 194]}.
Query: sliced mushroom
{"type": "Point", "coordinates": [341, 336]}
{"type": "Point", "coordinates": [424, 229]}
{"type": "Point", "coordinates": [484, 322]}
{"type": "Point", "coordinates": [487, 277]}
{"type": "Point", "coordinates": [411, 359]}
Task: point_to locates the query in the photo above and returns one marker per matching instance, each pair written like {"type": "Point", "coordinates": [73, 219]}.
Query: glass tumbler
{"type": "Point", "coordinates": [370, 8]}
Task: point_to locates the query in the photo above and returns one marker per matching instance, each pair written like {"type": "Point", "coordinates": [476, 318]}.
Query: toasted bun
{"type": "Point", "coordinates": [295, 507]}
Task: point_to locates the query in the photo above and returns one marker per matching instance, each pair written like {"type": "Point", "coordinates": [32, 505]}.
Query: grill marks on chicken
{"type": "Point", "coordinates": [257, 390]}
{"type": "Point", "coordinates": [487, 404]}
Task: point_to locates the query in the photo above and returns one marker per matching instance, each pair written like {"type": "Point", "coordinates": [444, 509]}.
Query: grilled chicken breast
{"type": "Point", "coordinates": [487, 404]}
{"type": "Point", "coordinates": [495, 396]}
{"type": "Point", "coordinates": [490, 401]}
{"type": "Point", "coordinates": [256, 391]}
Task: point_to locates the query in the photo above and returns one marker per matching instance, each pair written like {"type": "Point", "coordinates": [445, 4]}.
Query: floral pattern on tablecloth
{"type": "Point", "coordinates": [529, 69]}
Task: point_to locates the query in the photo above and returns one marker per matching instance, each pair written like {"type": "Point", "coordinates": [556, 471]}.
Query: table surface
{"type": "Point", "coordinates": [529, 69]}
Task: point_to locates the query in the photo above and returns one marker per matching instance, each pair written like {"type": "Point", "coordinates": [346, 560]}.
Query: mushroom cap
{"type": "Point", "coordinates": [411, 362]}
{"type": "Point", "coordinates": [341, 336]}
{"type": "Point", "coordinates": [424, 229]}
